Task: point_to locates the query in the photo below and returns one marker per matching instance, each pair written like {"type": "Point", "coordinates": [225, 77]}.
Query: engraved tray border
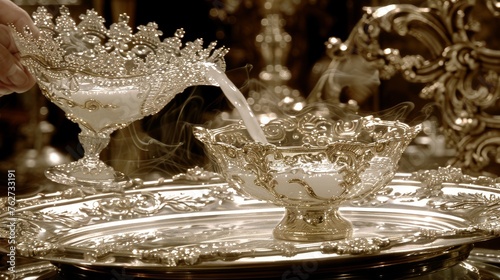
{"type": "Point", "coordinates": [65, 226]}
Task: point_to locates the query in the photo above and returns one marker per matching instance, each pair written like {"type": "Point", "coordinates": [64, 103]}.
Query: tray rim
{"type": "Point", "coordinates": [444, 179]}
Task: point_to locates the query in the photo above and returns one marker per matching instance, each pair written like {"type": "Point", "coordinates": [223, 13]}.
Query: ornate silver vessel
{"type": "Point", "coordinates": [310, 165]}
{"type": "Point", "coordinates": [104, 79]}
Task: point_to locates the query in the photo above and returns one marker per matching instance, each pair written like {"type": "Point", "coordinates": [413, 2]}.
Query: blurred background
{"type": "Point", "coordinates": [277, 52]}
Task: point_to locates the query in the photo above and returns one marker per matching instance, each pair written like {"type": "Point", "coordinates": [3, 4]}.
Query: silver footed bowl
{"type": "Point", "coordinates": [104, 79]}
{"type": "Point", "coordinates": [309, 166]}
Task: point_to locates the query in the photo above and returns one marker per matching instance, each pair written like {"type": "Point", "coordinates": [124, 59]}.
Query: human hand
{"type": "Point", "coordinates": [14, 77]}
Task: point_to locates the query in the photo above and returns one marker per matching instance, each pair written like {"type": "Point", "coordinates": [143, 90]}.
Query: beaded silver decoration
{"type": "Point", "coordinates": [104, 79]}
{"type": "Point", "coordinates": [310, 166]}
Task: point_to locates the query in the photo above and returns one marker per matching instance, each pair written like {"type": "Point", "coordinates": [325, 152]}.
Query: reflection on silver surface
{"type": "Point", "coordinates": [465, 270]}
{"type": "Point", "coordinates": [31, 271]}
{"type": "Point", "coordinates": [173, 227]}
{"type": "Point", "coordinates": [310, 165]}
{"type": "Point", "coordinates": [486, 255]}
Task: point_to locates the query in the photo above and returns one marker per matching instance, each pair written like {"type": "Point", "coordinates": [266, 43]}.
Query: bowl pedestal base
{"type": "Point", "coordinates": [312, 224]}
{"type": "Point", "coordinates": [78, 174]}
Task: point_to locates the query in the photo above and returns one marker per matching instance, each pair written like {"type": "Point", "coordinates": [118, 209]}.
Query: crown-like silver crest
{"type": "Point", "coordinates": [65, 55]}
{"type": "Point", "coordinates": [89, 47]}
{"type": "Point", "coordinates": [104, 79]}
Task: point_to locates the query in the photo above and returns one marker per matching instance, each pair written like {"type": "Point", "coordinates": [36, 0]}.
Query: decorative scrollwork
{"type": "Point", "coordinates": [460, 73]}
{"type": "Point", "coordinates": [308, 154]}
{"type": "Point", "coordinates": [464, 208]}
{"type": "Point", "coordinates": [257, 162]}
{"type": "Point", "coordinates": [68, 56]}
{"type": "Point", "coordinates": [352, 159]}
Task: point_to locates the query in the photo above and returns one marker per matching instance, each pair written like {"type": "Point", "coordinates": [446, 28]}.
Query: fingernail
{"type": "Point", "coordinates": [16, 75]}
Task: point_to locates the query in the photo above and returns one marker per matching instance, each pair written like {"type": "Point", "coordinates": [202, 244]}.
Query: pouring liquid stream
{"type": "Point", "coordinates": [239, 102]}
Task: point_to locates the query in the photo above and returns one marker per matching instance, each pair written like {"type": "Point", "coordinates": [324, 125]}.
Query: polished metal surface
{"type": "Point", "coordinates": [204, 227]}
{"type": "Point", "coordinates": [311, 163]}
{"type": "Point", "coordinates": [491, 256]}
{"type": "Point", "coordinates": [465, 270]}
{"type": "Point", "coordinates": [106, 78]}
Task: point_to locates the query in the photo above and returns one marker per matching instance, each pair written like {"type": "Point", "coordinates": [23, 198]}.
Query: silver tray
{"type": "Point", "coordinates": [177, 227]}
{"type": "Point", "coordinates": [42, 270]}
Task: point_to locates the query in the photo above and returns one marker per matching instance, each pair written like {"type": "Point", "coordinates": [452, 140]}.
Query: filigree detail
{"type": "Point", "coordinates": [308, 142]}
{"type": "Point", "coordinates": [458, 72]}
{"type": "Point", "coordinates": [148, 204]}
{"type": "Point", "coordinates": [98, 208]}
{"type": "Point", "coordinates": [197, 174]}
{"type": "Point", "coordinates": [105, 79]}
{"type": "Point", "coordinates": [257, 162]}
{"type": "Point", "coordinates": [88, 47]}
{"type": "Point", "coordinates": [90, 104]}
{"type": "Point", "coordinates": [70, 225]}
{"type": "Point", "coordinates": [311, 163]}
{"type": "Point", "coordinates": [67, 56]}
{"type": "Point", "coordinates": [310, 191]}
{"type": "Point", "coordinates": [222, 192]}
{"type": "Point", "coordinates": [357, 246]}
{"type": "Point", "coordinates": [351, 159]}
{"type": "Point", "coordinates": [129, 205]}
{"type": "Point", "coordinates": [432, 183]}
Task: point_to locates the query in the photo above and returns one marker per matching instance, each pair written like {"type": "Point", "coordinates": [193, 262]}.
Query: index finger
{"type": "Point", "coordinates": [12, 13]}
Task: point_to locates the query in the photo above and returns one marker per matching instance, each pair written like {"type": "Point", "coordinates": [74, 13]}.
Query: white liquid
{"type": "Point", "coordinates": [239, 102]}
